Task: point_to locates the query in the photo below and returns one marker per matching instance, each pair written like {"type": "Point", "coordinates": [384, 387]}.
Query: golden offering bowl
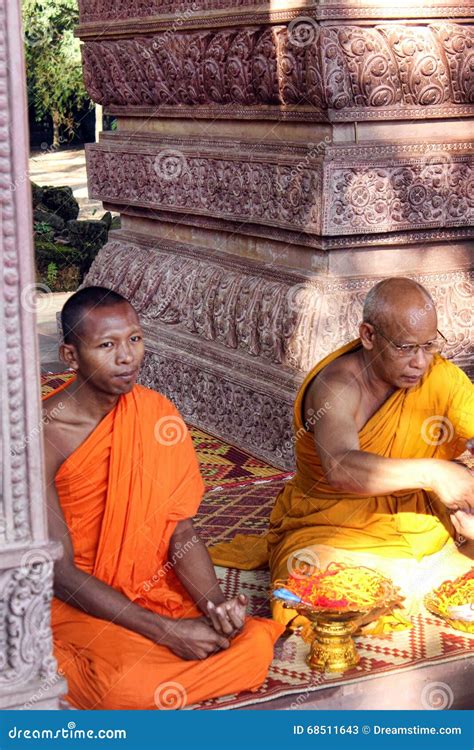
{"type": "Point", "coordinates": [333, 648]}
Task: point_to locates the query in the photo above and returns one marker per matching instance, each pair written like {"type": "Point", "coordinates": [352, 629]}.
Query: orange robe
{"type": "Point", "coordinates": [430, 420]}
{"type": "Point", "coordinates": [122, 493]}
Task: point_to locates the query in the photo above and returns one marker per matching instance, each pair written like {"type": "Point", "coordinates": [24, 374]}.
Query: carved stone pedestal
{"type": "Point", "coordinates": [28, 677]}
{"type": "Point", "coordinates": [272, 161]}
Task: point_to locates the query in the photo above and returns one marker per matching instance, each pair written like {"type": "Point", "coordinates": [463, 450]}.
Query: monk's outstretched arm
{"type": "Point", "coordinates": [358, 472]}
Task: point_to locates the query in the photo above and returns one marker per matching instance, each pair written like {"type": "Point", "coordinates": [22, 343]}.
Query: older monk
{"type": "Point", "coordinates": [139, 619]}
{"type": "Point", "coordinates": [377, 423]}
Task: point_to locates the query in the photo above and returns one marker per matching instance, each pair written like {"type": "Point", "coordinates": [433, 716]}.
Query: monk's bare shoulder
{"type": "Point", "coordinates": [343, 370]}
{"type": "Point", "coordinates": [338, 383]}
{"type": "Point", "coordinates": [60, 438]}
{"type": "Point", "coordinates": [341, 374]}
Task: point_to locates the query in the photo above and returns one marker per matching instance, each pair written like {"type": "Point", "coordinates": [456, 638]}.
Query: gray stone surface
{"type": "Point", "coordinates": [65, 167]}
{"type": "Point", "coordinates": [47, 307]}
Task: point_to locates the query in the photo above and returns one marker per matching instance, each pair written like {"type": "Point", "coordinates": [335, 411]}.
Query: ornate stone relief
{"type": "Point", "coordinates": [26, 563]}
{"type": "Point", "coordinates": [360, 189]}
{"type": "Point", "coordinates": [282, 318]}
{"type": "Point", "coordinates": [25, 633]}
{"type": "Point", "coordinates": [14, 515]}
{"type": "Point", "coordinates": [343, 72]}
{"type": "Point", "coordinates": [257, 420]}
{"type": "Point", "coordinates": [190, 12]}
{"type": "Point", "coordinates": [243, 186]}
{"type": "Point", "coordinates": [99, 10]}
{"type": "Point", "coordinates": [431, 189]}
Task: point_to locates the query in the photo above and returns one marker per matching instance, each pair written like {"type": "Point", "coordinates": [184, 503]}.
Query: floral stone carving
{"type": "Point", "coordinates": [378, 71]}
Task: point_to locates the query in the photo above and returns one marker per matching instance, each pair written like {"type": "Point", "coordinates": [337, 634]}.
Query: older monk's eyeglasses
{"type": "Point", "coordinates": [435, 346]}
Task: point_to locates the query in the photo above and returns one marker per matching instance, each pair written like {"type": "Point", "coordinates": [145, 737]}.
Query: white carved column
{"type": "Point", "coordinates": [28, 677]}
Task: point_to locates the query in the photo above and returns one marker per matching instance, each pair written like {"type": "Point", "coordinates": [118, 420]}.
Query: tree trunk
{"type": "Point", "coordinates": [56, 140]}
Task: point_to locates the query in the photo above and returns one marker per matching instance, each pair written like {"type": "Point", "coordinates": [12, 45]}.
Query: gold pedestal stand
{"type": "Point", "coordinates": [333, 649]}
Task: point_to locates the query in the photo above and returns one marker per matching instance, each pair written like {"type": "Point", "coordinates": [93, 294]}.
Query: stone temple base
{"type": "Point", "coordinates": [229, 339]}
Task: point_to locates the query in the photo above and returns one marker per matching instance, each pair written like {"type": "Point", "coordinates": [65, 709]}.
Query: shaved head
{"type": "Point", "coordinates": [397, 298]}
{"type": "Point", "coordinates": [76, 308]}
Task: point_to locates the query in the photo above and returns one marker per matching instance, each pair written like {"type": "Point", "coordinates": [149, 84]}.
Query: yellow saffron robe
{"type": "Point", "coordinates": [430, 420]}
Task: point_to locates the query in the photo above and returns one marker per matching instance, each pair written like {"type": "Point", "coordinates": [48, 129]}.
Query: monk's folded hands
{"type": "Point", "coordinates": [192, 638]}
{"type": "Point", "coordinates": [228, 618]}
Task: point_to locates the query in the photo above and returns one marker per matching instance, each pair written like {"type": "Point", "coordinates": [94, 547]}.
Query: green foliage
{"type": "Point", "coordinates": [47, 251]}
{"type": "Point", "coordinates": [51, 274]}
{"type": "Point", "coordinates": [41, 227]}
{"type": "Point", "coordinates": [53, 61]}
{"type": "Point", "coordinates": [57, 265]}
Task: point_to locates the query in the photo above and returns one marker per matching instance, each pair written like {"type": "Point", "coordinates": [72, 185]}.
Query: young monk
{"type": "Point", "coordinates": [377, 425]}
{"type": "Point", "coordinates": [139, 620]}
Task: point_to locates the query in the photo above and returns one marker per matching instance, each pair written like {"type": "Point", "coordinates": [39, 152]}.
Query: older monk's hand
{"type": "Point", "coordinates": [463, 522]}
{"type": "Point", "coordinates": [454, 485]}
